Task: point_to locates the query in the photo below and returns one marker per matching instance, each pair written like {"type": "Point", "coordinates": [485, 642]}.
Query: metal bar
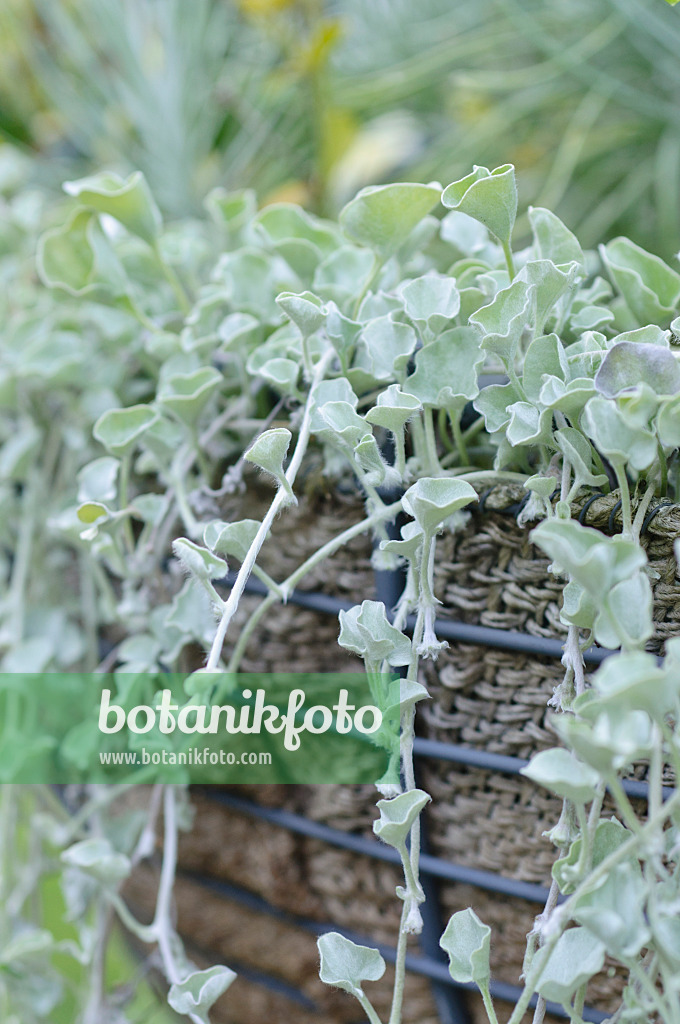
{"type": "Point", "coordinates": [447, 629]}
{"type": "Point", "coordinates": [435, 866]}
{"type": "Point", "coordinates": [440, 751]}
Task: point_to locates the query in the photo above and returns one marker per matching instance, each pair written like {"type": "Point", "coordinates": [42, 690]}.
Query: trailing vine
{"type": "Point", "coordinates": [266, 336]}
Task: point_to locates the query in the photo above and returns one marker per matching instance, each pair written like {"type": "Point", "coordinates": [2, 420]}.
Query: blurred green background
{"type": "Point", "coordinates": [311, 99]}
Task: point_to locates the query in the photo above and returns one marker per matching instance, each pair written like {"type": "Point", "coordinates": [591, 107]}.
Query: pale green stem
{"type": "Point", "coordinates": [88, 609]}
{"type": "Point", "coordinates": [573, 491]}
{"type": "Point", "coordinates": [419, 441]}
{"type": "Point", "coordinates": [375, 270]}
{"type": "Point", "coordinates": [22, 557]}
{"type": "Point", "coordinates": [668, 734]}
{"type": "Point", "coordinates": [583, 828]}
{"type": "Point", "coordinates": [93, 1010]}
{"type": "Point", "coordinates": [655, 774]}
{"type": "Point", "coordinates": [550, 904]}
{"type": "Point", "coordinates": [162, 922]}
{"type": "Point", "coordinates": [7, 847]}
{"type": "Point", "coordinates": [655, 798]}
{"type": "Point", "coordinates": [409, 862]}
{"type": "Point", "coordinates": [407, 736]}
{"type": "Point", "coordinates": [102, 798]}
{"type": "Point", "coordinates": [625, 807]}
{"type": "Point", "coordinates": [307, 359]}
{"type": "Point", "coordinates": [670, 984]}
{"type": "Point", "coordinates": [443, 417]}
{"type": "Point", "coordinates": [572, 649]}
{"type": "Point", "coordinates": [515, 381]}
{"type": "Point", "coordinates": [588, 828]}
{"type": "Point", "coordinates": [433, 465]}
{"type": "Point", "coordinates": [475, 428]}
{"type": "Point", "coordinates": [201, 459]}
{"type": "Point", "coordinates": [173, 280]}
{"type": "Point", "coordinates": [138, 313]}
{"type": "Point", "coordinates": [399, 969]}
{"type": "Point", "coordinates": [410, 874]}
{"type": "Point", "coordinates": [269, 583]}
{"type": "Point", "coordinates": [426, 569]}
{"type": "Point", "coordinates": [145, 932]}
{"type": "Point", "coordinates": [663, 466]}
{"type": "Point", "coordinates": [668, 1012]}
{"type": "Point", "coordinates": [533, 978]}
{"type": "Point", "coordinates": [408, 602]}
{"type": "Point", "coordinates": [162, 916]}
{"type": "Point", "coordinates": [147, 838]}
{"type": "Point", "coordinates": [593, 822]}
{"type": "Point", "coordinates": [459, 438]}
{"type": "Point", "coordinates": [123, 499]}
{"type": "Point", "coordinates": [626, 514]}
{"type": "Point", "coordinates": [247, 631]}
{"type": "Point", "coordinates": [488, 1004]}
{"type": "Point", "coordinates": [191, 524]}
{"type": "Point", "coordinates": [211, 592]}
{"type": "Point", "coordinates": [576, 1013]}
{"type": "Point", "coordinates": [642, 511]}
{"type": "Point", "coordinates": [279, 501]}
{"type": "Point", "coordinates": [566, 477]}
{"type": "Point", "coordinates": [399, 452]}
{"type": "Point", "coordinates": [371, 492]}
{"type": "Point", "coordinates": [495, 474]}
{"type": "Point", "coordinates": [509, 262]}
{"type": "Point", "coordinates": [368, 1009]}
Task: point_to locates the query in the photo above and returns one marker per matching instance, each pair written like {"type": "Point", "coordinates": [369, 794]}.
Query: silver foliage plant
{"type": "Point", "coordinates": [268, 337]}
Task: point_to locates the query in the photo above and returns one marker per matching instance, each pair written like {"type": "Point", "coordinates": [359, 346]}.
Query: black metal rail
{"type": "Point", "coordinates": [447, 629]}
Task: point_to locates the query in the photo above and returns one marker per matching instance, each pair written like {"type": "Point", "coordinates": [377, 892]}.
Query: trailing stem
{"type": "Point", "coordinates": [626, 512]}
{"type": "Point", "coordinates": [281, 592]}
{"type": "Point", "coordinates": [279, 501]}
{"type": "Point", "coordinates": [590, 884]}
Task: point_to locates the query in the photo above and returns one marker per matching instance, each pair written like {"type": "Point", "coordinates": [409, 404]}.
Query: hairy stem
{"type": "Point", "coordinates": [433, 466]}
{"type": "Point", "coordinates": [642, 511]}
{"type": "Point", "coordinates": [173, 280]}
{"type": "Point", "coordinates": [369, 1009]}
{"type": "Point", "coordinates": [284, 589]}
{"type": "Point", "coordinates": [459, 438]}
{"type": "Point", "coordinates": [279, 501]}
{"type": "Point", "coordinates": [626, 512]}
{"type": "Point", "coordinates": [399, 969]}
{"type": "Point", "coordinates": [488, 1004]}
{"type": "Point", "coordinates": [509, 262]}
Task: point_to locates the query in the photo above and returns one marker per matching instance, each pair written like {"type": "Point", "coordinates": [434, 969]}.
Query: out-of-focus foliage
{"type": "Point", "coordinates": [179, 90]}
{"type": "Point", "coordinates": [311, 99]}
{"type": "Point", "coordinates": [581, 95]}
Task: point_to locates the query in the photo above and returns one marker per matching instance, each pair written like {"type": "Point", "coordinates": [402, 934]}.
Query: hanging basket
{"type": "Point", "coordinates": [497, 701]}
{"type": "Point", "coordinates": [491, 699]}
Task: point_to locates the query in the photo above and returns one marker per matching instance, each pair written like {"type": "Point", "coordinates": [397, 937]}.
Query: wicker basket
{"type": "Point", "coordinates": [496, 701]}
{"type": "Point", "coordinates": [488, 574]}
